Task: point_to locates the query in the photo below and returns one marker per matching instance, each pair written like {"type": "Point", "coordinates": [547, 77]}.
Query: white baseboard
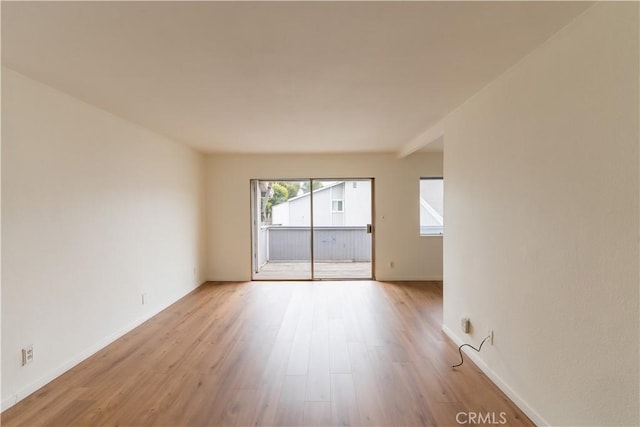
{"type": "Point", "coordinates": [56, 372]}
{"type": "Point", "coordinates": [409, 279]}
{"type": "Point", "coordinates": [495, 378]}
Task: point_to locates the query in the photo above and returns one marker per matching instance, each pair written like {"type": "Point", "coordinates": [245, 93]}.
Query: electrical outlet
{"type": "Point", "coordinates": [490, 335]}
{"type": "Point", "coordinates": [465, 325]}
{"type": "Point", "coordinates": [144, 298]}
{"type": "Point", "coordinates": [27, 355]}
{"type": "Point", "coordinates": [392, 264]}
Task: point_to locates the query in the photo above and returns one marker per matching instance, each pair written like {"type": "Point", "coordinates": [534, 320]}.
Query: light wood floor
{"type": "Point", "coordinates": [276, 353]}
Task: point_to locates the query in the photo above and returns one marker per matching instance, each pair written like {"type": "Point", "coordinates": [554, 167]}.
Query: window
{"type": "Point", "coordinates": [431, 206]}
{"type": "Point", "coordinates": [337, 206]}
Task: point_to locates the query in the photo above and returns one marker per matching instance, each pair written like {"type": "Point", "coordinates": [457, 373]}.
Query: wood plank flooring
{"type": "Point", "coordinates": [361, 353]}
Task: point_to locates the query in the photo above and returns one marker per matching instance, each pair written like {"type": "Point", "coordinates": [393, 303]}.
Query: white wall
{"type": "Point", "coordinates": [541, 218]}
{"type": "Point", "coordinates": [280, 214]}
{"type": "Point", "coordinates": [95, 211]}
{"type": "Point", "coordinates": [298, 212]}
{"type": "Point", "coordinates": [321, 207]}
{"type": "Point", "coordinates": [396, 208]}
{"type": "Point", "coordinates": [356, 203]}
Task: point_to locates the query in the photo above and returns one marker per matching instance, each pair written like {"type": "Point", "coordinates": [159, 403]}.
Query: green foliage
{"type": "Point", "coordinates": [292, 188]}
{"type": "Point", "coordinates": [280, 195]}
{"type": "Point", "coordinates": [281, 192]}
{"type": "Point", "coordinates": [316, 185]}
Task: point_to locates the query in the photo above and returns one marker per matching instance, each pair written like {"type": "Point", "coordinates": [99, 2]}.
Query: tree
{"type": "Point", "coordinates": [292, 188]}
{"type": "Point", "coordinates": [265, 193]}
{"type": "Point", "coordinates": [280, 194]}
{"type": "Point", "coordinates": [316, 185]}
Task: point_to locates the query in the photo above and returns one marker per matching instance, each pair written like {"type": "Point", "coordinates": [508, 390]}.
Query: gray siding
{"type": "Point", "coordinates": [330, 244]}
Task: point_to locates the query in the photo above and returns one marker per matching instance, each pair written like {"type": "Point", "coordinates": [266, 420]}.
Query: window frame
{"type": "Point", "coordinates": [420, 226]}
{"type": "Point", "coordinates": [341, 201]}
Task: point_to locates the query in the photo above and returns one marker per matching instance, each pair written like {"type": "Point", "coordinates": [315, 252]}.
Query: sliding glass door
{"type": "Point", "coordinates": [281, 230]}
{"type": "Point", "coordinates": [312, 229]}
{"type": "Point", "coordinates": [341, 229]}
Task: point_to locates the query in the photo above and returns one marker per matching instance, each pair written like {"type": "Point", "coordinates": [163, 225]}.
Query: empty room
{"type": "Point", "coordinates": [320, 213]}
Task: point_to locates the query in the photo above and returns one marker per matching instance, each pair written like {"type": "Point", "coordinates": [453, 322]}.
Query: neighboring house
{"type": "Point", "coordinates": [344, 203]}
{"type": "Point", "coordinates": [431, 206]}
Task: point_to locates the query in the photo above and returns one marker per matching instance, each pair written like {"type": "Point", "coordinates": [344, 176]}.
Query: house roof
{"type": "Point", "coordinates": [316, 191]}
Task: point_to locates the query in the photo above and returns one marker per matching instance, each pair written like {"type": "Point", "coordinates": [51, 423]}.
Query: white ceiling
{"type": "Point", "coordinates": [276, 76]}
{"type": "Point", "coordinates": [435, 146]}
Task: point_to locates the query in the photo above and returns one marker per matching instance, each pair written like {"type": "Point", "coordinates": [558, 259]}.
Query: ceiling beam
{"type": "Point", "coordinates": [421, 140]}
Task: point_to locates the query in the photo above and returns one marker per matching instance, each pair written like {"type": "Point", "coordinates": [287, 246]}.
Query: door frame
{"type": "Point", "coordinates": [253, 224]}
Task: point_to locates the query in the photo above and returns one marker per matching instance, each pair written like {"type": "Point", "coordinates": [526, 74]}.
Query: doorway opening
{"type": "Point", "coordinates": [312, 229]}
